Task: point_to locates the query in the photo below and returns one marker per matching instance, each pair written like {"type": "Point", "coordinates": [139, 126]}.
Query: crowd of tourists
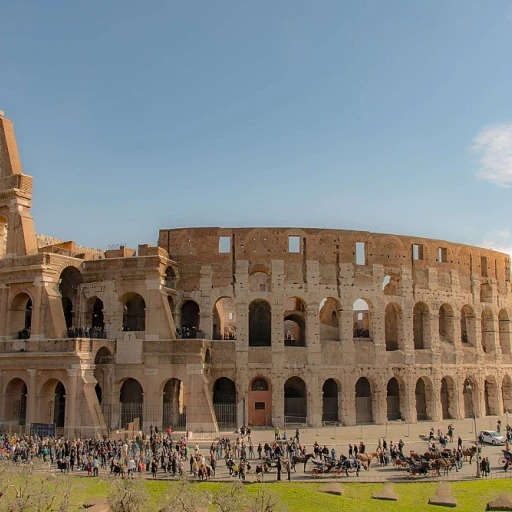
{"type": "Point", "coordinates": [87, 332]}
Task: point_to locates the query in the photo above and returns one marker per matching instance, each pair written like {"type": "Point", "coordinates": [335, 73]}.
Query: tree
{"type": "Point", "coordinates": [127, 495]}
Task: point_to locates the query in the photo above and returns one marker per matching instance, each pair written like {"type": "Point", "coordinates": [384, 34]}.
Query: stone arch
{"type": "Point", "coordinates": [393, 392]}
{"type": "Point", "coordinates": [294, 322]}
{"type": "Point", "coordinates": [364, 401]}
{"type": "Point", "coordinates": [174, 401]}
{"type": "Point", "coordinates": [224, 319]}
{"type": "Point", "coordinates": [391, 284]}
{"type": "Point", "coordinates": [329, 319]}
{"type": "Point", "coordinates": [470, 394]}
{"type": "Point", "coordinates": [260, 281]}
{"type": "Point", "coordinates": [421, 325]}
{"type": "Point", "coordinates": [260, 402]}
{"type": "Point", "coordinates": [21, 315]}
{"type": "Point", "coordinates": [295, 401]}
{"type": "Point", "coordinates": [330, 400]}
{"type": "Point", "coordinates": [15, 409]}
{"type": "Point", "coordinates": [392, 327]}
{"type": "Point", "coordinates": [467, 325]}
{"type": "Point", "coordinates": [4, 231]}
{"type": "Point", "coordinates": [95, 316]}
{"type": "Point", "coordinates": [424, 399]}
{"type": "Point", "coordinates": [362, 318]}
{"type": "Point", "coordinates": [506, 393]}
{"type": "Point", "coordinates": [446, 323]}
{"type": "Point", "coordinates": [491, 396]}
{"type": "Point", "coordinates": [131, 398]}
{"type": "Point", "coordinates": [190, 315]}
{"type": "Point", "coordinates": [448, 398]}
{"type": "Point", "coordinates": [504, 331]}
{"type": "Point", "coordinates": [170, 277]}
{"type": "Point", "coordinates": [52, 402]}
{"type": "Point", "coordinates": [487, 330]}
{"type": "Point", "coordinates": [70, 280]}
{"type": "Point", "coordinates": [134, 312]}
{"type": "Point", "coordinates": [224, 402]}
{"type": "Point", "coordinates": [260, 323]}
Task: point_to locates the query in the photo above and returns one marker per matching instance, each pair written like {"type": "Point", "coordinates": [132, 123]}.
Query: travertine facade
{"type": "Point", "coordinates": [215, 327]}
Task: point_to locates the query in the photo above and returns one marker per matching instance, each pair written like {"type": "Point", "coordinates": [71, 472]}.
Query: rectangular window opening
{"type": "Point", "coordinates": [259, 406]}
{"type": "Point", "coordinates": [360, 253]}
{"type": "Point", "coordinates": [263, 287]}
{"type": "Point", "coordinates": [230, 316]}
{"type": "Point", "coordinates": [224, 244]}
{"type": "Point", "coordinates": [417, 252]}
{"type": "Point", "coordinates": [442, 255]}
{"type": "Point", "coordinates": [483, 265]}
{"type": "Point", "coordinates": [294, 244]}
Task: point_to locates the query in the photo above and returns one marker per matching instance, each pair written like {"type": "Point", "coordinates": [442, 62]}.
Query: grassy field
{"type": "Point", "coordinates": [303, 497]}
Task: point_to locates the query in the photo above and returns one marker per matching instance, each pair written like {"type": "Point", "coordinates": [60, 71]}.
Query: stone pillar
{"type": "Point", "coordinates": [313, 334]}
{"type": "Point", "coordinates": [347, 337]}
{"type": "Point", "coordinates": [4, 307]}
{"type": "Point", "coordinates": [31, 398]}
{"type": "Point", "coordinates": [437, 413]}
{"type": "Point", "coordinates": [37, 327]}
{"type": "Point", "coordinates": [435, 341]}
{"type": "Point", "coordinates": [408, 329]}
{"type": "Point", "coordinates": [378, 319]}
{"type": "Point", "coordinates": [277, 326]}
{"type": "Point", "coordinates": [315, 400]}
{"type": "Point", "coordinates": [70, 417]}
{"type": "Point", "coordinates": [348, 410]}
{"type": "Point", "coordinates": [379, 399]}
{"type": "Point", "coordinates": [242, 325]}
{"type": "Point", "coordinates": [278, 400]}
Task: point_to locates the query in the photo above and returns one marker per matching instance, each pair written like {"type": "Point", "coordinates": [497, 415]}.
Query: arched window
{"type": "Point", "coordinates": [392, 327]}
{"type": "Point", "coordinates": [260, 324]}
{"type": "Point", "coordinates": [224, 319]}
{"type": "Point", "coordinates": [362, 325]}
{"type": "Point", "coordinates": [69, 284]}
{"type": "Point", "coordinates": [421, 325]}
{"type": "Point", "coordinates": [329, 320]}
{"type": "Point", "coordinates": [21, 316]}
{"type": "Point", "coordinates": [134, 317]}
{"type": "Point", "coordinates": [488, 334]}
{"type": "Point", "coordinates": [259, 385]}
{"type": "Point", "coordinates": [467, 326]}
{"type": "Point", "coordinates": [3, 236]}
{"type": "Point", "coordinates": [295, 323]}
{"type": "Point", "coordinates": [446, 323]}
{"type": "Point", "coordinates": [190, 319]}
{"type": "Point", "coordinates": [504, 331]}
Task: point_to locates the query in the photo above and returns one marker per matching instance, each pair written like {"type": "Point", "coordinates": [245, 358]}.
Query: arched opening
{"type": "Point", "coordinates": [224, 319]}
{"type": "Point", "coordinates": [422, 405]}
{"type": "Point", "coordinates": [329, 319]}
{"type": "Point", "coordinates": [59, 412]}
{"type": "Point", "coordinates": [504, 331]}
{"type": "Point", "coordinates": [506, 393]}
{"type": "Point", "coordinates": [260, 324]}
{"type": "Point", "coordinates": [470, 394]}
{"type": "Point", "coordinates": [294, 323]}
{"type": "Point", "coordinates": [170, 278]}
{"type": "Point", "coordinates": [420, 325]}
{"type": "Point", "coordinates": [224, 402]}
{"type": "Point", "coordinates": [259, 282]}
{"type": "Point", "coordinates": [190, 319]}
{"type": "Point", "coordinates": [491, 399]}
{"type": "Point", "coordinates": [446, 325]}
{"type": "Point", "coordinates": [3, 235]}
{"type": "Point", "coordinates": [448, 398]}
{"type": "Point", "coordinates": [131, 398]}
{"type": "Point", "coordinates": [16, 402]}
{"type": "Point", "coordinates": [295, 401]}
{"type": "Point", "coordinates": [393, 400]}
{"type": "Point", "coordinates": [390, 284]}
{"type": "Point", "coordinates": [364, 406]}
{"type": "Point", "coordinates": [69, 284]}
{"type": "Point", "coordinates": [330, 399]}
{"type": "Point", "coordinates": [101, 371]}
{"type": "Point", "coordinates": [467, 326]}
{"type": "Point", "coordinates": [97, 320]}
{"type": "Point", "coordinates": [134, 315]}
{"type": "Point", "coordinates": [260, 402]}
{"type": "Point", "coordinates": [488, 333]}
{"type": "Point", "coordinates": [174, 405]}
{"type": "Point", "coordinates": [21, 316]}
{"type": "Point", "coordinates": [391, 327]}
{"type": "Point", "coordinates": [361, 319]}
{"type": "Point", "coordinates": [52, 403]}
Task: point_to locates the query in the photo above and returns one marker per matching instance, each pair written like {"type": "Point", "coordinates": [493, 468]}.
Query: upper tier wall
{"type": "Point", "coordinates": [194, 247]}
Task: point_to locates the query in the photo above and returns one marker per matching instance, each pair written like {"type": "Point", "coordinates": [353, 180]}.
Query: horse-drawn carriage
{"type": "Point", "coordinates": [506, 460]}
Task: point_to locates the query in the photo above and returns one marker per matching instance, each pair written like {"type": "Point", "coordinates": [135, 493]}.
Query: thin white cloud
{"type": "Point", "coordinates": [494, 144]}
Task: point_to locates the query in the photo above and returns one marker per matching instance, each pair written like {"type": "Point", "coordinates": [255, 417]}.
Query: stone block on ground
{"type": "Point", "coordinates": [333, 488]}
{"type": "Point", "coordinates": [443, 496]}
{"type": "Point", "coordinates": [386, 493]}
{"type": "Point", "coordinates": [502, 502]}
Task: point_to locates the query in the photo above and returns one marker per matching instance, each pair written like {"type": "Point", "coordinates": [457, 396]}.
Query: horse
{"type": "Point", "coordinates": [366, 458]}
{"type": "Point", "coordinates": [469, 452]}
{"type": "Point", "coordinates": [302, 459]}
{"type": "Point", "coordinates": [351, 464]}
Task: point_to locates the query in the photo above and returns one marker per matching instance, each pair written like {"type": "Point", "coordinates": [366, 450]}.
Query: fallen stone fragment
{"type": "Point", "coordinates": [502, 502]}
{"type": "Point", "coordinates": [443, 496]}
{"type": "Point", "coordinates": [386, 493]}
{"type": "Point", "coordinates": [335, 489]}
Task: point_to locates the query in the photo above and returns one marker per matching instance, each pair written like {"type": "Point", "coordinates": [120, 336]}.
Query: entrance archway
{"type": "Point", "coordinates": [491, 397]}
{"type": "Point", "coordinates": [330, 399]}
{"type": "Point", "coordinates": [295, 401]}
{"type": "Point", "coordinates": [364, 406]}
{"type": "Point", "coordinates": [423, 402]}
{"type": "Point", "coordinates": [470, 394]}
{"type": "Point", "coordinates": [16, 402]}
{"type": "Point", "coordinates": [131, 398]}
{"type": "Point", "coordinates": [174, 405]}
{"type": "Point", "coordinates": [448, 398]}
{"type": "Point", "coordinates": [52, 403]}
{"type": "Point", "coordinates": [506, 393]}
{"type": "Point", "coordinates": [393, 400]}
{"type": "Point", "coordinates": [391, 327]}
{"type": "Point", "coordinates": [260, 402]}
{"type": "Point", "coordinates": [224, 402]}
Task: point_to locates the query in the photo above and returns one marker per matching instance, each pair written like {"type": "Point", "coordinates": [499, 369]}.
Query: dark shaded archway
{"type": "Point", "coordinates": [16, 402]}
{"type": "Point", "coordinates": [330, 401]}
{"type": "Point", "coordinates": [260, 324]}
{"type": "Point", "coordinates": [364, 401]}
{"type": "Point", "coordinates": [391, 325]}
{"type": "Point", "coordinates": [224, 402]}
{"type": "Point", "coordinates": [448, 398]}
{"type": "Point", "coordinates": [131, 398]}
{"type": "Point", "coordinates": [174, 405]}
{"type": "Point", "coordinates": [393, 400]}
{"type": "Point", "coordinates": [295, 401]}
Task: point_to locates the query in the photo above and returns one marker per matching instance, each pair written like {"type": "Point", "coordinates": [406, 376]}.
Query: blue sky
{"type": "Point", "coordinates": [387, 116]}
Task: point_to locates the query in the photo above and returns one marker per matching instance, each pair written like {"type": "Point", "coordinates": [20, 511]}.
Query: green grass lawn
{"type": "Point", "coordinates": [305, 497]}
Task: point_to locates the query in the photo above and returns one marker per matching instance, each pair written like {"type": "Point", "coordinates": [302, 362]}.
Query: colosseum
{"type": "Point", "coordinates": [215, 327]}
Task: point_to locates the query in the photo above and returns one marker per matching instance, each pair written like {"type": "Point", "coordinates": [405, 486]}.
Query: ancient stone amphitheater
{"type": "Point", "coordinates": [216, 327]}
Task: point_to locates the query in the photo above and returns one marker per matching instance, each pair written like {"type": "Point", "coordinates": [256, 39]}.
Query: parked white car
{"type": "Point", "coordinates": [492, 437]}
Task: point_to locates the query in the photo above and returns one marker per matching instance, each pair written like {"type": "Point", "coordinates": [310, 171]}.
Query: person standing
{"type": "Point", "coordinates": [279, 469]}
{"type": "Point", "coordinates": [350, 451]}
